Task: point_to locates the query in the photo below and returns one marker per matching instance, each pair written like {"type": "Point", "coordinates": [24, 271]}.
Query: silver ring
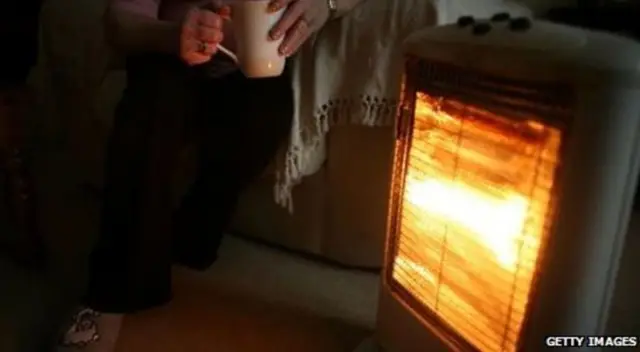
{"type": "Point", "coordinates": [202, 47]}
{"type": "Point", "coordinates": [302, 24]}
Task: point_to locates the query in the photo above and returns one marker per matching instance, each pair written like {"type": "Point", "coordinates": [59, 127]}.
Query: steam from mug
{"type": "Point", "coordinates": [256, 54]}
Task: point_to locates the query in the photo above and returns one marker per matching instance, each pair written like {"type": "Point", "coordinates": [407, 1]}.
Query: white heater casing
{"type": "Point", "coordinates": [600, 165]}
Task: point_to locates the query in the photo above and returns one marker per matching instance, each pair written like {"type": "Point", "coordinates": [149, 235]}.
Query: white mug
{"type": "Point", "coordinates": [256, 54]}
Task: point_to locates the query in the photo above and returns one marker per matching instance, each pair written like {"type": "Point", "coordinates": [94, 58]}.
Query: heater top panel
{"type": "Point", "coordinates": [522, 45]}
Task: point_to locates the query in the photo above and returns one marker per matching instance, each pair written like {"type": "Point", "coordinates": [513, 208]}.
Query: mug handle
{"type": "Point", "coordinates": [227, 51]}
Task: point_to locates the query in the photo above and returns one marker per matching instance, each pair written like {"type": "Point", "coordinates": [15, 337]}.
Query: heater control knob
{"type": "Point", "coordinates": [465, 21]}
{"type": "Point", "coordinates": [481, 28]}
{"type": "Point", "coordinates": [501, 17]}
{"type": "Point", "coordinates": [520, 24]}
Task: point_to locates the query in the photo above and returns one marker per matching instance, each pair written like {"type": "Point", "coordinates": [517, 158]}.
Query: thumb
{"type": "Point", "coordinates": [221, 7]}
{"type": "Point", "coordinates": [224, 11]}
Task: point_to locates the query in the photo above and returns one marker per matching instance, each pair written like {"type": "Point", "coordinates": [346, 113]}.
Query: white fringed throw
{"type": "Point", "coordinates": [350, 74]}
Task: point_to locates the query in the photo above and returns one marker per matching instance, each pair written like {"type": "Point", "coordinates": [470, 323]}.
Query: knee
{"type": "Point", "coordinates": [155, 85]}
{"type": "Point", "coordinates": [154, 76]}
{"type": "Point", "coordinates": [154, 99]}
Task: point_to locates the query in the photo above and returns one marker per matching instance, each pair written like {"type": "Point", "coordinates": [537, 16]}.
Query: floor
{"type": "Point", "coordinates": [231, 308]}
{"type": "Point", "coordinates": [254, 299]}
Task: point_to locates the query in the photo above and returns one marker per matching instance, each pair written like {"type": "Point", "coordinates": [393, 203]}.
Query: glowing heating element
{"type": "Point", "coordinates": [475, 209]}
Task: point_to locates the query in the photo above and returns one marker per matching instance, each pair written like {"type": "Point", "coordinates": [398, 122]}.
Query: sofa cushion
{"type": "Point", "coordinates": [259, 217]}
{"type": "Point", "coordinates": [358, 177]}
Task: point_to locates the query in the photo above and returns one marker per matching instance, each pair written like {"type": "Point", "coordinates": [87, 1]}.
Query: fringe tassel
{"type": "Point", "coordinates": [366, 110]}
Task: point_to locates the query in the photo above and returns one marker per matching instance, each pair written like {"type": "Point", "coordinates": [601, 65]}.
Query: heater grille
{"type": "Point", "coordinates": [472, 199]}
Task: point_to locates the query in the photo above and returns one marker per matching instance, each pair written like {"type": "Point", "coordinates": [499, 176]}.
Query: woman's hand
{"type": "Point", "coordinates": [201, 32]}
{"type": "Point", "coordinates": [301, 19]}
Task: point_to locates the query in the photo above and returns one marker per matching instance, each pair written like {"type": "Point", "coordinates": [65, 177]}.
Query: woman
{"type": "Point", "coordinates": [176, 81]}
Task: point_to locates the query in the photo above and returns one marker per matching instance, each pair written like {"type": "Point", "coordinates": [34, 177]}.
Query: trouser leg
{"type": "Point", "coordinates": [130, 267]}
{"type": "Point", "coordinates": [245, 122]}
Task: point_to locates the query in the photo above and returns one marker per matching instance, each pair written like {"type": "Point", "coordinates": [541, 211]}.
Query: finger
{"type": "Point", "coordinates": [288, 20]}
{"type": "Point", "coordinates": [214, 5]}
{"type": "Point", "coordinates": [192, 15]}
{"type": "Point", "coordinates": [194, 58]}
{"type": "Point", "coordinates": [219, 7]}
{"type": "Point", "coordinates": [194, 52]}
{"type": "Point", "coordinates": [190, 24]}
{"type": "Point", "coordinates": [193, 23]}
{"type": "Point", "coordinates": [210, 19]}
{"type": "Point", "coordinates": [210, 35]}
{"type": "Point", "coordinates": [224, 12]}
{"type": "Point", "coordinates": [196, 46]}
{"type": "Point", "coordinates": [295, 38]}
{"type": "Point", "coordinates": [276, 5]}
{"type": "Point", "coordinates": [190, 33]}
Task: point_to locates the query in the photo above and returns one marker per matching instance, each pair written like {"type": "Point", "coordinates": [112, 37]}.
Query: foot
{"type": "Point", "coordinates": [91, 331]}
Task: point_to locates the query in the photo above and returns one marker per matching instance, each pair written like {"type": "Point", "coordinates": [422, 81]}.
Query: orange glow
{"type": "Point", "coordinates": [474, 211]}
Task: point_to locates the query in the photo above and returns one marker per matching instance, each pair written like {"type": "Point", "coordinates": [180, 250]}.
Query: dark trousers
{"type": "Point", "coordinates": [240, 124]}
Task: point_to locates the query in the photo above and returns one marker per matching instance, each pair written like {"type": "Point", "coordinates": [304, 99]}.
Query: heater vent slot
{"type": "Point", "coordinates": [548, 102]}
{"type": "Point", "coordinates": [472, 199]}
